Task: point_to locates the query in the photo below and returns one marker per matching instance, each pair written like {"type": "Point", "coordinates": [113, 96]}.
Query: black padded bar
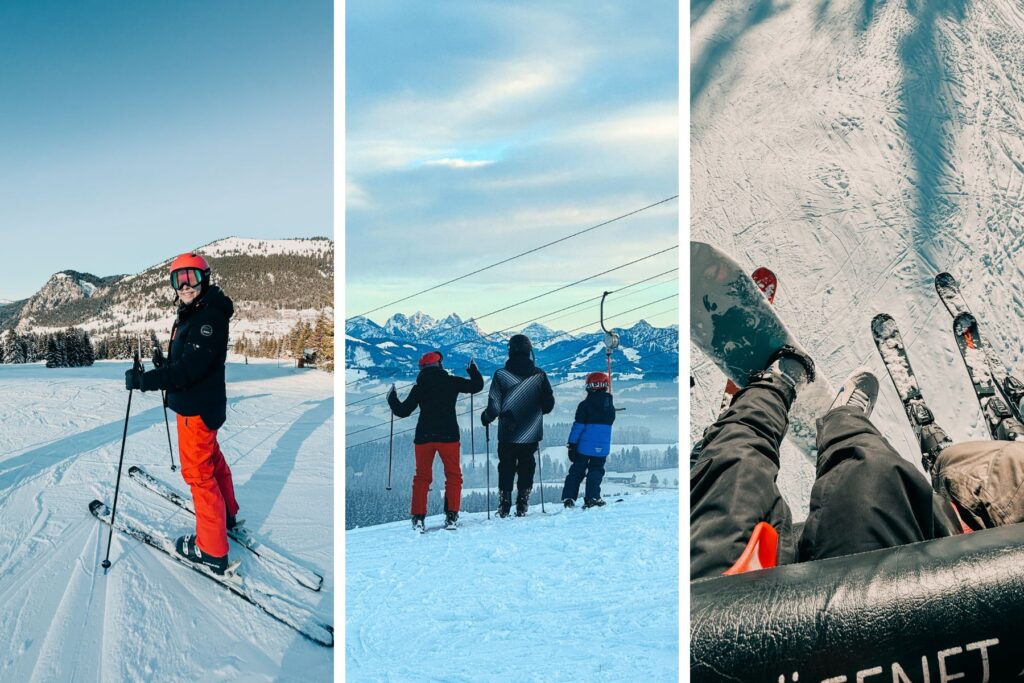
{"type": "Point", "coordinates": [945, 610]}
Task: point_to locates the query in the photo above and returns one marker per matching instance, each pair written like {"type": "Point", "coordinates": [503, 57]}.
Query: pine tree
{"type": "Point", "coordinates": [52, 354]}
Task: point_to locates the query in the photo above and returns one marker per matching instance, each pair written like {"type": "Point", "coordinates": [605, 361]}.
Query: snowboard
{"type": "Point", "coordinates": [733, 324]}
{"type": "Point", "coordinates": [767, 282]}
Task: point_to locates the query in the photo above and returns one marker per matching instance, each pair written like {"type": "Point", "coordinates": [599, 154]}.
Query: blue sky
{"type": "Point", "coordinates": [136, 130]}
{"type": "Point", "coordinates": [476, 130]}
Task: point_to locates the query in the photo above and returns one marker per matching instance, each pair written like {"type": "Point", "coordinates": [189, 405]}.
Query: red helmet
{"type": "Point", "coordinates": [190, 260]}
{"type": "Point", "coordinates": [431, 358]}
{"type": "Point", "coordinates": [191, 269]}
{"type": "Point", "coordinates": [598, 381]}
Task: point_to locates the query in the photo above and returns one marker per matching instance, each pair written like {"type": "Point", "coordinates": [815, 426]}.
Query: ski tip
{"type": "Point", "coordinates": [134, 469]}
{"type": "Point", "coordinates": [97, 507]}
{"type": "Point", "coordinates": [882, 325]}
{"type": "Point", "coordinates": [944, 279]}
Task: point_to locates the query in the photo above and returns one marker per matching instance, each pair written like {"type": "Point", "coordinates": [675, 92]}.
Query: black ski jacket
{"type": "Point", "coordinates": [435, 392]}
{"type": "Point", "coordinates": [193, 374]}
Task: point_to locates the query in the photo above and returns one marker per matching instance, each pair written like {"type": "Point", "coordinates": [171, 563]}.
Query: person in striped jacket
{"type": "Point", "coordinates": [589, 442]}
{"type": "Point", "coordinates": [519, 398]}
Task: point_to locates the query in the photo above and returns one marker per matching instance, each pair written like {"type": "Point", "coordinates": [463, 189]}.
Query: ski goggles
{"type": "Point", "coordinates": [186, 276]}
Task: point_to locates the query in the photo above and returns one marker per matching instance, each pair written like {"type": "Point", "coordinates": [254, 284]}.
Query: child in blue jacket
{"type": "Point", "coordinates": [589, 443]}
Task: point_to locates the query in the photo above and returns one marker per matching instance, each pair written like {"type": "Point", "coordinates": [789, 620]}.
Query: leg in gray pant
{"type": "Point", "coordinates": [865, 496]}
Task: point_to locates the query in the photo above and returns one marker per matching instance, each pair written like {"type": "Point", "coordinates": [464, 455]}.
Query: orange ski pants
{"type": "Point", "coordinates": [449, 452]}
{"type": "Point", "coordinates": [206, 472]}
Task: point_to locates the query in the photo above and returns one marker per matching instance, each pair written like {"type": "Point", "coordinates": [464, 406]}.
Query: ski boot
{"type": "Point", "coordinates": [187, 547]}
{"type": "Point", "coordinates": [451, 520]}
{"type": "Point", "coordinates": [419, 523]}
{"type": "Point", "coordinates": [790, 366]}
{"type": "Point", "coordinates": [522, 502]}
{"type": "Point", "coordinates": [860, 390]}
{"type": "Point", "coordinates": [594, 503]}
{"type": "Point", "coordinates": [930, 435]}
{"type": "Point", "coordinates": [504, 503]}
{"type": "Point", "coordinates": [569, 503]}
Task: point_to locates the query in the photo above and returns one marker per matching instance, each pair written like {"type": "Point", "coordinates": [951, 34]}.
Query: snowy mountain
{"type": "Point", "coordinates": [272, 282]}
{"type": "Point", "coordinates": [395, 347]}
{"type": "Point", "coordinates": [858, 149]}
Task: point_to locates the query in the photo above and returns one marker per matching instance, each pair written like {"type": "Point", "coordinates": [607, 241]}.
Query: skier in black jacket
{"type": "Point", "coordinates": [520, 396]}
{"type": "Point", "coordinates": [437, 431]}
{"type": "Point", "coordinates": [193, 376]}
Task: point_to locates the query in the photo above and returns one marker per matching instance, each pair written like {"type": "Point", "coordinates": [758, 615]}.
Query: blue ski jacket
{"type": "Point", "coordinates": [592, 430]}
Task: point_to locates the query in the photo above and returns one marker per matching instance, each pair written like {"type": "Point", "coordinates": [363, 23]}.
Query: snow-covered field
{"type": "Point", "coordinates": [859, 148]}
{"type": "Point", "coordinates": [574, 595]}
{"type": "Point", "coordinates": [150, 619]}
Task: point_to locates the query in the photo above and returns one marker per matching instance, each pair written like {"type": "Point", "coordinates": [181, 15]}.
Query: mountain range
{"type": "Point", "coordinates": [394, 348]}
{"type": "Point", "coordinates": [273, 284]}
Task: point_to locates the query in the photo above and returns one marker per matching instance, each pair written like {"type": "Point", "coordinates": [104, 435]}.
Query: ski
{"type": "Point", "coordinates": [284, 611]}
{"type": "Point", "coordinates": [1002, 423]}
{"type": "Point", "coordinates": [304, 577]}
{"type": "Point", "coordinates": [889, 342]}
{"type": "Point", "coordinates": [1012, 388]}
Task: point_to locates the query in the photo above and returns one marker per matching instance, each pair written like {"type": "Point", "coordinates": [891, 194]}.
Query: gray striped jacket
{"type": "Point", "coordinates": [521, 403]}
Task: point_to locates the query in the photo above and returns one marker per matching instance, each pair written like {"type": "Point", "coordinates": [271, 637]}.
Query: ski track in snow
{"type": "Point", "coordinates": [150, 619]}
{"type": "Point", "coordinates": [858, 149]}
{"type": "Point", "coordinates": [570, 595]}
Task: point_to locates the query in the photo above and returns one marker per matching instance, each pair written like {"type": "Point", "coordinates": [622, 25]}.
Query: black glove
{"type": "Point", "coordinates": [573, 452]}
{"type": "Point", "coordinates": [158, 357]}
{"type": "Point", "coordinates": [471, 366]}
{"type": "Point", "coordinates": [133, 378]}
{"type": "Point", "coordinates": [483, 418]}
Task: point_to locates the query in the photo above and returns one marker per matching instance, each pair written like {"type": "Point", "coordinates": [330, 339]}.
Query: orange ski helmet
{"type": "Point", "coordinates": [191, 269]}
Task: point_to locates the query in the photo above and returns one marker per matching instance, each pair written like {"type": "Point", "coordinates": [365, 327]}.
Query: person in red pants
{"type": "Point", "coordinates": [192, 374]}
{"type": "Point", "coordinates": [437, 432]}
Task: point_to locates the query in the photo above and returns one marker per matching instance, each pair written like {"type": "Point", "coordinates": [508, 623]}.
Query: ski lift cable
{"type": "Point", "coordinates": [519, 255]}
{"type": "Point", "coordinates": [545, 317]}
{"type": "Point", "coordinates": [463, 414]}
{"type": "Point", "coordinates": [375, 426]}
{"type": "Point", "coordinates": [534, 298]}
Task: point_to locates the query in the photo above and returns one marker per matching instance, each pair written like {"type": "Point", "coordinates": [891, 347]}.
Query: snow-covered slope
{"type": "Point", "coordinates": [150, 619]}
{"type": "Point", "coordinates": [587, 595]}
{"type": "Point", "coordinates": [858, 148]}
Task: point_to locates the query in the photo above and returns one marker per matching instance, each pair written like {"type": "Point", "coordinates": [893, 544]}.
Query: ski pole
{"type": "Point", "coordinates": [487, 432]}
{"type": "Point", "coordinates": [472, 434]}
{"type": "Point", "coordinates": [117, 487]}
{"type": "Point", "coordinates": [540, 468]}
{"type": "Point", "coordinates": [167, 426]}
{"type": "Point", "coordinates": [391, 442]}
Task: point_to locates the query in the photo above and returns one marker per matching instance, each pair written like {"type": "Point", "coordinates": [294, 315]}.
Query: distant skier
{"type": "Point", "coordinates": [193, 376]}
{"type": "Point", "coordinates": [865, 495]}
{"type": "Point", "coordinates": [437, 432]}
{"type": "Point", "coordinates": [590, 442]}
{"type": "Point", "coordinates": [520, 396]}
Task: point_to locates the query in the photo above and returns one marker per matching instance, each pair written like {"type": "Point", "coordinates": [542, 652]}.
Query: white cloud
{"type": "Point", "coordinates": [458, 163]}
{"type": "Point", "coordinates": [356, 197]}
